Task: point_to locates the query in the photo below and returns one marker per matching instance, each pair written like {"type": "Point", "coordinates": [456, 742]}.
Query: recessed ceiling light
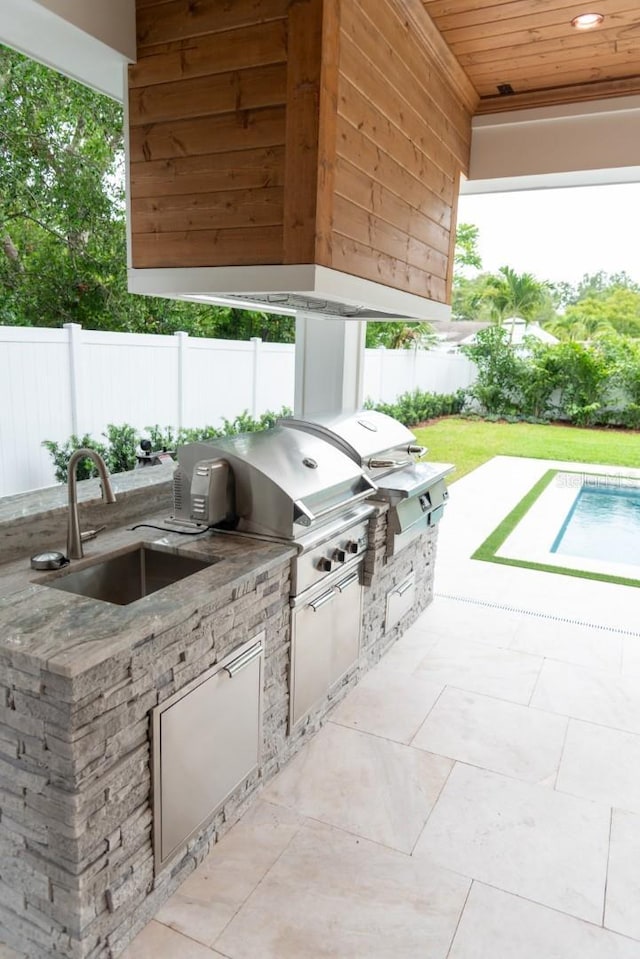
{"type": "Point", "coordinates": [587, 21]}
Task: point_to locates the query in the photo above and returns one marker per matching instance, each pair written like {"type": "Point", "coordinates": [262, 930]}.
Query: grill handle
{"type": "Point", "coordinates": [306, 517]}
{"type": "Point", "coordinates": [388, 464]}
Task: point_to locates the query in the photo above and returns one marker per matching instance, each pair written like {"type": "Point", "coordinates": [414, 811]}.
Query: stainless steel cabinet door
{"type": "Point", "coordinates": [207, 740]}
{"type": "Point", "coordinates": [310, 653]}
{"type": "Point", "coordinates": [346, 627]}
{"type": "Point", "coordinates": [325, 642]}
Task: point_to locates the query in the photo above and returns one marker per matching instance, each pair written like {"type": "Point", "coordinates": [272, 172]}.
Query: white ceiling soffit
{"type": "Point", "coordinates": [89, 40]}
{"type": "Point", "coordinates": [583, 144]}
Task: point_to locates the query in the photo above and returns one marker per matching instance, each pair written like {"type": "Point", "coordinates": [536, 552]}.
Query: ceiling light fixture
{"type": "Point", "coordinates": [587, 21]}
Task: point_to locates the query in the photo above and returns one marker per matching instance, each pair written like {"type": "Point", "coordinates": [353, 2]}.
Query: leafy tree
{"type": "Point", "coordinates": [466, 252]}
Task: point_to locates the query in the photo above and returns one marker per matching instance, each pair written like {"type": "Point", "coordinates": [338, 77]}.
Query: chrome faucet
{"type": "Point", "coordinates": [74, 537]}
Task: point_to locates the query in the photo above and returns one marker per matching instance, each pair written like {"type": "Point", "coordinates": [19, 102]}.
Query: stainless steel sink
{"type": "Point", "coordinates": [127, 576]}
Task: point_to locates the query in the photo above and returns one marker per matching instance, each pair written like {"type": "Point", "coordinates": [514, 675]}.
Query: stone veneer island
{"type": "Point", "coordinates": [79, 680]}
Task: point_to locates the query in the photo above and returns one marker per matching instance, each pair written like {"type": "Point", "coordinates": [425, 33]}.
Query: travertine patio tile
{"type": "Point", "coordinates": [369, 786]}
{"type": "Point", "coordinates": [484, 624]}
{"type": "Point", "coordinates": [525, 839]}
{"type": "Point", "coordinates": [334, 896]}
{"type": "Point", "coordinates": [596, 696]}
{"type": "Point", "coordinates": [496, 735]}
{"type": "Point", "coordinates": [496, 925]}
{"type": "Point", "coordinates": [623, 883]}
{"type": "Point", "coordinates": [631, 654]}
{"type": "Point", "coordinates": [481, 668]}
{"type": "Point", "coordinates": [389, 704]}
{"type": "Point", "coordinates": [159, 942]}
{"type": "Point", "coordinates": [602, 764]}
{"type": "Point", "coordinates": [211, 896]}
{"type": "Point", "coordinates": [569, 642]}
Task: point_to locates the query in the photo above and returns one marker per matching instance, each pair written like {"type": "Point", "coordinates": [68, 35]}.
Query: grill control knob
{"type": "Point", "coordinates": [352, 546]}
{"type": "Point", "coordinates": [325, 565]}
{"type": "Point", "coordinates": [340, 556]}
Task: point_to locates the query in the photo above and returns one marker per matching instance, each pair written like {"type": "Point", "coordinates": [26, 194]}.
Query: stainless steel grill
{"type": "Point", "coordinates": [386, 451]}
{"type": "Point", "coordinates": [291, 486]}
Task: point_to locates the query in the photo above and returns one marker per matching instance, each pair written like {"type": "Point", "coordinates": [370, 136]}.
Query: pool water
{"type": "Point", "coordinates": [602, 524]}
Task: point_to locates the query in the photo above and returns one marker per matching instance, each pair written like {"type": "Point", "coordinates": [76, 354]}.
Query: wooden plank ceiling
{"type": "Point", "coordinates": [531, 46]}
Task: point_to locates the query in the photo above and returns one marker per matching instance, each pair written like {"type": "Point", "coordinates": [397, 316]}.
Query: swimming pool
{"type": "Point", "coordinates": [605, 540]}
{"type": "Point", "coordinates": [602, 524]}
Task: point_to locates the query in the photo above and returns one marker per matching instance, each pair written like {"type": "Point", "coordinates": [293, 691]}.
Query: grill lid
{"type": "Point", "coordinates": [362, 436]}
{"type": "Point", "coordinates": [285, 481]}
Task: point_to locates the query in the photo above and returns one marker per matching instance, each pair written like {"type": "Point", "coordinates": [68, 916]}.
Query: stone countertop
{"type": "Point", "coordinates": [67, 634]}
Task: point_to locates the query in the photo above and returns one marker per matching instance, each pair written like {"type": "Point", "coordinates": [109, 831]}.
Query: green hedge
{"type": "Point", "coordinates": [119, 451]}
{"type": "Point", "coordinates": [120, 442]}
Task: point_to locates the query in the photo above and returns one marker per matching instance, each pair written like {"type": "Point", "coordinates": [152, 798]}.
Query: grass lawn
{"type": "Point", "coordinates": [469, 443]}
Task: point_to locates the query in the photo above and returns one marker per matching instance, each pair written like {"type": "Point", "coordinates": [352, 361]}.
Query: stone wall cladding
{"type": "Point", "coordinates": [382, 573]}
{"type": "Point", "coordinates": [76, 857]}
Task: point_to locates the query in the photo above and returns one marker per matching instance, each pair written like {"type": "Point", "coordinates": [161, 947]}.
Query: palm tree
{"type": "Point", "coordinates": [576, 328]}
{"type": "Point", "coordinates": [515, 295]}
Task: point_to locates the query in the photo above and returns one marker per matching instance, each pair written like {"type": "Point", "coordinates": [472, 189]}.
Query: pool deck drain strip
{"type": "Point", "coordinates": [540, 615]}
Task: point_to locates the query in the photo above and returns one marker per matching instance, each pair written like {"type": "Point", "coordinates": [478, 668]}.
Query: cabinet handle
{"type": "Point", "coordinates": [321, 600]}
{"type": "Point", "coordinates": [241, 661]}
{"type": "Point", "coordinates": [354, 578]}
{"type": "Point", "coordinates": [401, 590]}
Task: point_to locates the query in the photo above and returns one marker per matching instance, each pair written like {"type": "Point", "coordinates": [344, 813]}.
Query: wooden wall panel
{"type": "Point", "coordinates": [403, 136]}
{"type": "Point", "coordinates": [254, 46]}
{"type": "Point", "coordinates": [235, 170]}
{"type": "Point", "coordinates": [208, 131]}
{"type": "Point", "coordinates": [241, 130]}
{"type": "Point", "coordinates": [297, 131]}
{"type": "Point", "coordinates": [186, 19]}
{"type": "Point", "coordinates": [302, 130]}
{"type": "Point", "coordinates": [241, 247]}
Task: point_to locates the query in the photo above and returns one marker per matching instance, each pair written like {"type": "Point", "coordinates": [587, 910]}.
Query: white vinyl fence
{"type": "Point", "coordinates": [57, 382]}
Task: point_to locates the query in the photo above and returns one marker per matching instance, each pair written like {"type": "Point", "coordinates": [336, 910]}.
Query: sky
{"type": "Point", "coordinates": [558, 234]}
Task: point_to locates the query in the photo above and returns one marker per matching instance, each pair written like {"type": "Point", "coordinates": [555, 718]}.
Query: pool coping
{"type": "Point", "coordinates": [502, 548]}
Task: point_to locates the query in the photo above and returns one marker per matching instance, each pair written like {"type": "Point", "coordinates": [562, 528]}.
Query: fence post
{"type": "Point", "coordinates": [183, 345]}
{"type": "Point", "coordinates": [382, 355]}
{"type": "Point", "coordinates": [75, 373]}
{"type": "Point", "coordinates": [256, 340]}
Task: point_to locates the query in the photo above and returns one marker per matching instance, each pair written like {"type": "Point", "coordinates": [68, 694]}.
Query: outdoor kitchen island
{"type": "Point", "coordinates": [83, 686]}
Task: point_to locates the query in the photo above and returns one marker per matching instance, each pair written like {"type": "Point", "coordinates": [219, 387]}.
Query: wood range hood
{"type": "Point", "coordinates": [295, 155]}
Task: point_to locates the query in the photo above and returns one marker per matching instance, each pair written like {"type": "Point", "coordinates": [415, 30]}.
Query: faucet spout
{"type": "Point", "coordinates": [74, 538]}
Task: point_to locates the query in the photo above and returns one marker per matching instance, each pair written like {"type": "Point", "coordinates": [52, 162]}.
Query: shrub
{"type": "Point", "coordinates": [119, 453]}
{"type": "Point", "coordinates": [500, 372]}
{"type": "Point", "coordinates": [587, 384]}
{"type": "Point", "coordinates": [61, 453]}
{"type": "Point", "coordinates": [416, 407]}
{"type": "Point", "coordinates": [123, 442]}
